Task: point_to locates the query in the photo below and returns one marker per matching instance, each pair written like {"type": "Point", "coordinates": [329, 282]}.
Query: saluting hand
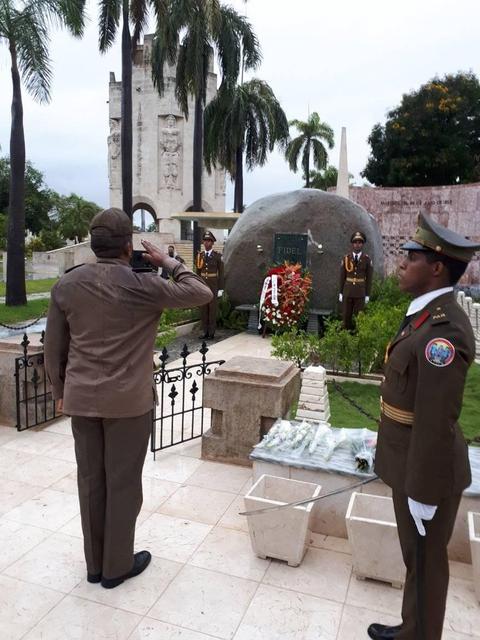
{"type": "Point", "coordinates": [154, 255]}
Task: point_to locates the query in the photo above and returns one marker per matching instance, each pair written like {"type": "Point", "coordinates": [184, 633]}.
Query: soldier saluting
{"type": "Point", "coordinates": [421, 452]}
{"type": "Point", "coordinates": [209, 266]}
{"type": "Point", "coordinates": [356, 272]}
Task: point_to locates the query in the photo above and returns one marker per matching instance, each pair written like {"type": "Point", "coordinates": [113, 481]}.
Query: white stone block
{"type": "Point", "coordinates": [314, 415]}
{"type": "Point", "coordinates": [474, 536]}
{"type": "Point", "coordinates": [283, 534]}
{"type": "Point", "coordinates": [313, 406]}
{"type": "Point", "coordinates": [307, 397]}
{"type": "Point", "coordinates": [372, 533]}
{"type": "Point", "coordinates": [314, 373]}
{"type": "Point", "coordinates": [313, 389]}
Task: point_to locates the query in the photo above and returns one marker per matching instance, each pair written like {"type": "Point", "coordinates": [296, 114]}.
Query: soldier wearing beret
{"type": "Point", "coordinates": [421, 452]}
{"type": "Point", "coordinates": [356, 273]}
{"type": "Point", "coordinates": [101, 328]}
{"type": "Point", "coordinates": [209, 266]}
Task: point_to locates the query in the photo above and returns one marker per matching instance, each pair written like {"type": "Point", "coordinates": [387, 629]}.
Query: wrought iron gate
{"type": "Point", "coordinates": [179, 415]}
{"type": "Point", "coordinates": [35, 404]}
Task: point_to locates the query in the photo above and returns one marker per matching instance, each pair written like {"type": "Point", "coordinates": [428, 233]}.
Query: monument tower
{"type": "Point", "coordinates": [162, 147]}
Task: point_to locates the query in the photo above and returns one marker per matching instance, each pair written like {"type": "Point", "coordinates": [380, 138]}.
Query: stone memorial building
{"type": "Point", "coordinates": [162, 147]}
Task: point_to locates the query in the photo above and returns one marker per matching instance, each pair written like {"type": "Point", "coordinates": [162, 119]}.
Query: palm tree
{"type": "Point", "coordinates": [312, 133]}
{"type": "Point", "coordinates": [24, 28]}
{"type": "Point", "coordinates": [247, 119]}
{"type": "Point", "coordinates": [206, 27]}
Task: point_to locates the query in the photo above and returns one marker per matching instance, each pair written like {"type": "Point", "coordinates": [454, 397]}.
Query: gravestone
{"type": "Point", "coordinates": [290, 247]}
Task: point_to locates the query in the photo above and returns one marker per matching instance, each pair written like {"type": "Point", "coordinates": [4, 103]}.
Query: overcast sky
{"type": "Point", "coordinates": [350, 61]}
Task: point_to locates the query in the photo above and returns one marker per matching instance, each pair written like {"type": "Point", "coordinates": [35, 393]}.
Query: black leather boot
{"type": "Point", "coordinates": [383, 632]}
{"type": "Point", "coordinates": [141, 560]}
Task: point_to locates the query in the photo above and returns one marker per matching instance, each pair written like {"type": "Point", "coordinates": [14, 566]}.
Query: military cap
{"type": "Point", "coordinates": [109, 230]}
{"type": "Point", "coordinates": [208, 235]}
{"type": "Point", "coordinates": [431, 236]}
{"type": "Point", "coordinates": [358, 235]}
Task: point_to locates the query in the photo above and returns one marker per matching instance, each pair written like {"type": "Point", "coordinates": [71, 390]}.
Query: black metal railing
{"type": "Point", "coordinates": [179, 415]}
{"type": "Point", "coordinates": [35, 404]}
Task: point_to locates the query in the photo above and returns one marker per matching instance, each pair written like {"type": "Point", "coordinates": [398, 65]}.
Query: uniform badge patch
{"type": "Point", "coordinates": [440, 352]}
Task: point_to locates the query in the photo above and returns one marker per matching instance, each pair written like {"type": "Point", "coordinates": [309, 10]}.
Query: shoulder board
{"type": "Point", "coordinates": [72, 268]}
{"type": "Point", "coordinates": [420, 320]}
{"type": "Point", "coordinates": [439, 316]}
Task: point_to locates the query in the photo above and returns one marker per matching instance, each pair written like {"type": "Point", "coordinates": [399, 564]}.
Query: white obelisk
{"type": "Point", "coordinates": [342, 178]}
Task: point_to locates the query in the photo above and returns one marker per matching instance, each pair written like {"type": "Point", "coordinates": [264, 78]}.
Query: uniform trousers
{"type": "Point", "coordinates": [208, 316]}
{"type": "Point", "coordinates": [110, 454]}
{"type": "Point", "coordinates": [432, 579]}
{"type": "Point", "coordinates": [350, 308]}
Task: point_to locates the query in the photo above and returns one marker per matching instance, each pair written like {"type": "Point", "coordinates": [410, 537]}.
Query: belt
{"type": "Point", "coordinates": [356, 280]}
{"type": "Point", "coordinates": [209, 275]}
{"type": "Point", "coordinates": [396, 414]}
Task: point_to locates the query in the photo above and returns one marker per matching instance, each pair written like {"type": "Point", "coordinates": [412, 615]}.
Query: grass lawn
{"type": "Point", "coordinates": [367, 396]}
{"type": "Point", "coordinates": [34, 286]}
{"type": "Point", "coordinates": [33, 309]}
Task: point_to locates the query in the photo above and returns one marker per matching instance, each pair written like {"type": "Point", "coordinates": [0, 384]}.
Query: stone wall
{"type": "Point", "coordinates": [396, 211]}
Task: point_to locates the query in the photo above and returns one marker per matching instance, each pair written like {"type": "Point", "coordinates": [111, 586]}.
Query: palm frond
{"type": "Point", "coordinates": [31, 43]}
{"type": "Point", "coordinates": [61, 13]}
{"type": "Point", "coordinates": [108, 21]}
{"type": "Point", "coordinates": [139, 16]}
{"type": "Point", "coordinates": [292, 152]}
{"type": "Point", "coordinates": [320, 155]}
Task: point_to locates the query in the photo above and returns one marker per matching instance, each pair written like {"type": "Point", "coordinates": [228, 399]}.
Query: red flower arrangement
{"type": "Point", "coordinates": [285, 295]}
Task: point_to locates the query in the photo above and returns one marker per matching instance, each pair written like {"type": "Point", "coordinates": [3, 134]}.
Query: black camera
{"type": "Point", "coordinates": [139, 264]}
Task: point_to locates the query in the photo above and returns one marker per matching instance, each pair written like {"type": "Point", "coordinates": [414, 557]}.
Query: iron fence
{"type": "Point", "coordinates": [179, 415]}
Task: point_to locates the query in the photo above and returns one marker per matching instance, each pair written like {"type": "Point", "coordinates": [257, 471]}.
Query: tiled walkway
{"type": "Point", "coordinates": [204, 581]}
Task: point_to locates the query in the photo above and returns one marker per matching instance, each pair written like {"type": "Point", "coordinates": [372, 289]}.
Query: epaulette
{"type": "Point", "coordinates": [74, 267]}
{"type": "Point", "coordinates": [420, 320]}
{"type": "Point", "coordinates": [439, 316]}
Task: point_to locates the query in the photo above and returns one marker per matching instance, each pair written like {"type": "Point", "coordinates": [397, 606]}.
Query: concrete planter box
{"type": "Point", "coordinates": [282, 534]}
{"type": "Point", "coordinates": [474, 535]}
{"type": "Point", "coordinates": [372, 533]}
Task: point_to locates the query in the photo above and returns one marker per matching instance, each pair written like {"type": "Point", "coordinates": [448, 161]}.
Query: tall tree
{"type": "Point", "coordinates": [313, 134]}
{"type": "Point", "coordinates": [431, 138]}
{"type": "Point", "coordinates": [24, 28]}
{"type": "Point", "coordinates": [73, 215]}
{"type": "Point", "coordinates": [194, 31]}
{"type": "Point", "coordinates": [135, 13]}
{"type": "Point", "coordinates": [244, 121]}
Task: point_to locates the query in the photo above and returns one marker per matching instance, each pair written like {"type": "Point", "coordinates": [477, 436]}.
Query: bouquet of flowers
{"type": "Point", "coordinates": [285, 294]}
{"type": "Point", "coordinates": [363, 450]}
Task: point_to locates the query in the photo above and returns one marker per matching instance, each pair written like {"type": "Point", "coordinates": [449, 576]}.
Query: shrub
{"type": "Point", "coordinates": [228, 317]}
{"type": "Point", "coordinates": [297, 346]}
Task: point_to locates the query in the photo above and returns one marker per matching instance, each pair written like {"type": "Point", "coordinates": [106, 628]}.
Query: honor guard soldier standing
{"type": "Point", "coordinates": [209, 266]}
{"type": "Point", "coordinates": [356, 274]}
{"type": "Point", "coordinates": [421, 452]}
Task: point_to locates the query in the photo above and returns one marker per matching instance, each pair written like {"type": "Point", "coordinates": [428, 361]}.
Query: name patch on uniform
{"type": "Point", "coordinates": [440, 352]}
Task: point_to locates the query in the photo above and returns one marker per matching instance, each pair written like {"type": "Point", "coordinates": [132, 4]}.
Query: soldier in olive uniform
{"type": "Point", "coordinates": [421, 453]}
{"type": "Point", "coordinates": [101, 328]}
{"type": "Point", "coordinates": [209, 266]}
{"type": "Point", "coordinates": [356, 272]}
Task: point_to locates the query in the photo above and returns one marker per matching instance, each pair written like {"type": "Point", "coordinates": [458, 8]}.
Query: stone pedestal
{"type": "Point", "coordinates": [246, 396]}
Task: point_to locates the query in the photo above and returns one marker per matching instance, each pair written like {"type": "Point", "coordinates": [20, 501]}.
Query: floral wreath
{"type": "Point", "coordinates": [285, 293]}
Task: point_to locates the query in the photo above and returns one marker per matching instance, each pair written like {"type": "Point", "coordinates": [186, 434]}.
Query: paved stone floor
{"type": "Point", "coordinates": [204, 582]}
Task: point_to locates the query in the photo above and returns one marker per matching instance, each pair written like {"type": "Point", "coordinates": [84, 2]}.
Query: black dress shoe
{"type": "Point", "coordinates": [204, 337]}
{"type": "Point", "coordinates": [94, 578]}
{"type": "Point", "coordinates": [141, 560]}
{"type": "Point", "coordinates": [383, 632]}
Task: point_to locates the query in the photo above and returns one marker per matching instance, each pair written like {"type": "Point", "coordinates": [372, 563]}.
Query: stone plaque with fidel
{"type": "Point", "coordinates": [290, 247]}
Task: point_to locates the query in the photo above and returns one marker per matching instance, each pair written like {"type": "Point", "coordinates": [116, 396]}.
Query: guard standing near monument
{"type": "Point", "coordinates": [101, 328]}
{"type": "Point", "coordinates": [209, 266]}
{"type": "Point", "coordinates": [421, 452]}
{"type": "Point", "coordinates": [356, 273]}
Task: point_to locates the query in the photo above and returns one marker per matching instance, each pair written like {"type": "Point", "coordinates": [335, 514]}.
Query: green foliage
{"type": "Point", "coordinates": [388, 292]}
{"type": "Point", "coordinates": [39, 198]}
{"type": "Point", "coordinates": [325, 178]}
{"type": "Point", "coordinates": [432, 138]}
{"type": "Point", "coordinates": [227, 316]}
{"type": "Point", "coordinates": [164, 337]}
{"type": "Point", "coordinates": [73, 215]}
{"type": "Point", "coordinates": [48, 240]}
{"type": "Point", "coordinates": [313, 133]}
{"type": "Point", "coordinates": [296, 346]}
{"type": "Point", "coordinates": [34, 286]}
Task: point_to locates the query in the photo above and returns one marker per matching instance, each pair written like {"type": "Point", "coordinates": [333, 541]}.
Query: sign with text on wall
{"type": "Point", "coordinates": [290, 247]}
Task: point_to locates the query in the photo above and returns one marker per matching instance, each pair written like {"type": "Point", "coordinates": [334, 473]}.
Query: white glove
{"type": "Point", "coordinates": [340, 297]}
{"type": "Point", "coordinates": [367, 299]}
{"type": "Point", "coordinates": [419, 512]}
{"type": "Point", "coordinates": [220, 293]}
